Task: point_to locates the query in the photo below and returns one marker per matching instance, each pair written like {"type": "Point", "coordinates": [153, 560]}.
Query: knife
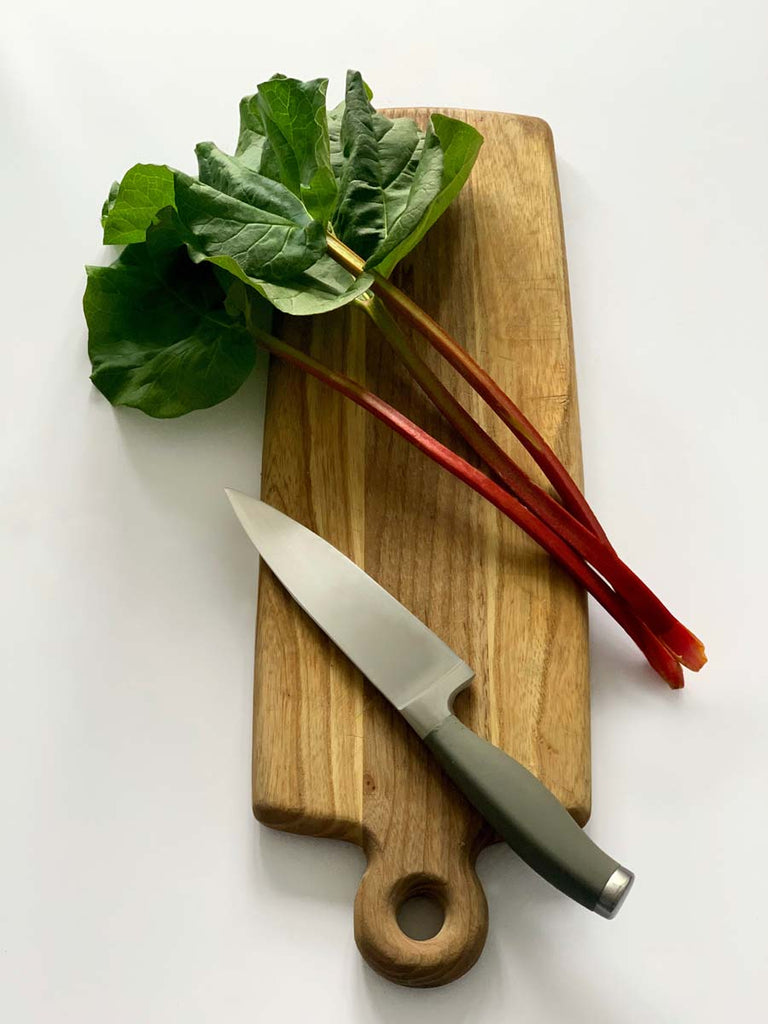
{"type": "Point", "coordinates": [421, 675]}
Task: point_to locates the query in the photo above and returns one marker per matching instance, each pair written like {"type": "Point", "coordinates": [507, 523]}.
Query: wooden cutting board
{"type": "Point", "coordinates": [330, 757]}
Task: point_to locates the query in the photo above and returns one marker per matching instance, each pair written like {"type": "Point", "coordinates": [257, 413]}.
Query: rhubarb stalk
{"type": "Point", "coordinates": [509, 413]}
{"type": "Point", "coordinates": [687, 647]}
{"type": "Point", "coordinates": [657, 654]}
{"type": "Point", "coordinates": [601, 556]}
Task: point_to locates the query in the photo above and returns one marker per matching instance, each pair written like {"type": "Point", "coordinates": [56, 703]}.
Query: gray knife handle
{"type": "Point", "coordinates": [528, 817]}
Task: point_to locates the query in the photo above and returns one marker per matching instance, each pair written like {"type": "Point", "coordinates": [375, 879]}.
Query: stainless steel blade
{"type": "Point", "coordinates": [404, 659]}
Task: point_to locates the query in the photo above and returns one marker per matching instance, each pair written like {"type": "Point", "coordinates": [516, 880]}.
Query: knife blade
{"type": "Point", "coordinates": [420, 675]}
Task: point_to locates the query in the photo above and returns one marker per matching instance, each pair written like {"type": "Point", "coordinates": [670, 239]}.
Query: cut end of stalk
{"type": "Point", "coordinates": [688, 648]}
{"type": "Point", "coordinates": [669, 669]}
{"type": "Point", "coordinates": [676, 681]}
{"type": "Point", "coordinates": [658, 656]}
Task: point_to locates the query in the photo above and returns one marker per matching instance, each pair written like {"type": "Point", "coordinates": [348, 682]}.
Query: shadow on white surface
{"type": "Point", "coordinates": [531, 926]}
{"type": "Point", "coordinates": [320, 871]}
{"type": "Point", "coordinates": [524, 941]}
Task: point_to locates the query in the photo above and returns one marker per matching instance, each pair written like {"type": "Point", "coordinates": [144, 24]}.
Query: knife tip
{"type": "Point", "coordinates": [240, 501]}
{"type": "Point", "coordinates": [237, 499]}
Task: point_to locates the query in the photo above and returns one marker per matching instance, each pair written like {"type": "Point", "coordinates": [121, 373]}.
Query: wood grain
{"type": "Point", "coordinates": [330, 757]}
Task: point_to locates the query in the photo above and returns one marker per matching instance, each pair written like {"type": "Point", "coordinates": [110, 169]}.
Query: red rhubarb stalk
{"type": "Point", "coordinates": [482, 382]}
{"type": "Point", "coordinates": [658, 656]}
{"type": "Point", "coordinates": [601, 556]}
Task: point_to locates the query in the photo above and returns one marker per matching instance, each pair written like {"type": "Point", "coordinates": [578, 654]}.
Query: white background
{"type": "Point", "coordinates": [136, 886]}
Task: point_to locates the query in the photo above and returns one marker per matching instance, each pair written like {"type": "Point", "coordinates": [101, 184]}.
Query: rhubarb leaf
{"type": "Point", "coordinates": [359, 218]}
{"type": "Point", "coordinates": [400, 148]}
{"type": "Point", "coordinates": [319, 289]}
{"type": "Point", "coordinates": [375, 159]}
{"type": "Point", "coordinates": [245, 223]}
{"type": "Point", "coordinates": [166, 334]}
{"type": "Point", "coordinates": [286, 128]}
{"type": "Point", "coordinates": [449, 152]}
{"type": "Point", "coordinates": [160, 339]}
{"type": "Point", "coordinates": [253, 136]}
{"type": "Point", "coordinates": [335, 118]}
{"type": "Point", "coordinates": [394, 181]}
{"type": "Point", "coordinates": [133, 204]}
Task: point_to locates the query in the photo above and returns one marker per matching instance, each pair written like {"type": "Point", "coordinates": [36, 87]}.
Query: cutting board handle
{"type": "Point", "coordinates": [420, 963]}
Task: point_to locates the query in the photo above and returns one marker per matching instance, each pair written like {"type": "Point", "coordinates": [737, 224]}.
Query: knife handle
{"type": "Point", "coordinates": [529, 818]}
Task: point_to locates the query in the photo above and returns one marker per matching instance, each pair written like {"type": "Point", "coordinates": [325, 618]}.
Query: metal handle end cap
{"type": "Point", "coordinates": [614, 893]}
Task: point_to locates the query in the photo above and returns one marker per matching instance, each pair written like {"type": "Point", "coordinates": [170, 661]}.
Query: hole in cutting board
{"type": "Point", "coordinates": [421, 917]}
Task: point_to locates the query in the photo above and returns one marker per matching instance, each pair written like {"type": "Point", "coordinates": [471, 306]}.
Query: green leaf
{"type": "Point", "coordinates": [249, 234]}
{"type": "Point", "coordinates": [318, 288]}
{"type": "Point", "coordinates": [449, 151]}
{"type": "Point", "coordinates": [359, 218]}
{"type": "Point", "coordinates": [394, 181]}
{"type": "Point", "coordinates": [297, 150]}
{"type": "Point", "coordinates": [133, 204]}
{"type": "Point", "coordinates": [400, 146]}
{"type": "Point", "coordinates": [400, 149]}
{"type": "Point", "coordinates": [335, 118]}
{"type": "Point", "coordinates": [109, 202]}
{"type": "Point", "coordinates": [321, 288]}
{"type": "Point", "coordinates": [159, 338]}
{"type": "Point", "coordinates": [249, 225]}
{"type": "Point", "coordinates": [253, 136]}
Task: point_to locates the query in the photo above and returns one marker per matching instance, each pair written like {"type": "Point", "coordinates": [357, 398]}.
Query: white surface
{"type": "Point", "coordinates": [136, 887]}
